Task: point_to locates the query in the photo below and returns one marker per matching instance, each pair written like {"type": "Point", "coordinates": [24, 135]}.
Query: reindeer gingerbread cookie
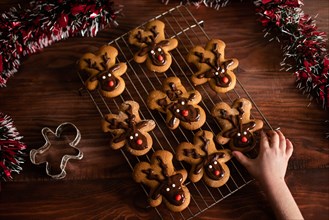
{"type": "Point", "coordinates": [103, 71]}
{"type": "Point", "coordinates": [166, 184]}
{"type": "Point", "coordinates": [206, 161]}
{"type": "Point", "coordinates": [129, 130]}
{"type": "Point", "coordinates": [180, 106]}
{"type": "Point", "coordinates": [154, 47]}
{"type": "Point", "coordinates": [213, 67]}
{"type": "Point", "coordinates": [237, 127]}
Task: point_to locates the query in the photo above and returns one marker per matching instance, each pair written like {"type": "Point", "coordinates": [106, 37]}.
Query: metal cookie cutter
{"type": "Point", "coordinates": [55, 152]}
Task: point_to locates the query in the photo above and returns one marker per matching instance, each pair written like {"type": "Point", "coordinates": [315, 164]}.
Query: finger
{"type": "Point", "coordinates": [282, 140]}
{"type": "Point", "coordinates": [273, 138]}
{"type": "Point", "coordinates": [264, 143]}
{"type": "Point", "coordinates": [289, 148]}
{"type": "Point", "coordinates": [245, 161]}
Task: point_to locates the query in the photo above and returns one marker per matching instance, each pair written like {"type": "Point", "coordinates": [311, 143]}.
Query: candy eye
{"type": "Point", "coordinates": [245, 133]}
{"type": "Point", "coordinates": [210, 166]}
{"type": "Point", "coordinates": [152, 52]}
{"type": "Point", "coordinates": [177, 110]}
{"type": "Point", "coordinates": [216, 73]}
{"type": "Point", "coordinates": [239, 134]}
{"type": "Point", "coordinates": [103, 77]}
{"type": "Point", "coordinates": [215, 162]}
{"type": "Point", "coordinates": [159, 49]}
{"type": "Point", "coordinates": [136, 135]}
{"type": "Point", "coordinates": [109, 75]}
{"type": "Point", "coordinates": [168, 189]}
{"type": "Point", "coordinates": [183, 103]}
{"type": "Point", "coordinates": [131, 137]}
{"type": "Point", "coordinates": [173, 185]}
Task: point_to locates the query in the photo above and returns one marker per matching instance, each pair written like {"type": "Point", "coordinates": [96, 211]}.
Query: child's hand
{"type": "Point", "coordinates": [272, 160]}
{"type": "Point", "coordinates": [269, 168]}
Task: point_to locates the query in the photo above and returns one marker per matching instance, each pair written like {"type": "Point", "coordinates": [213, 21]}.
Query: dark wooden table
{"type": "Point", "coordinates": [43, 93]}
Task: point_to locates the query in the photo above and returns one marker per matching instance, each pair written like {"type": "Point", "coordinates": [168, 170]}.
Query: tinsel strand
{"type": "Point", "coordinates": [26, 31]}
{"type": "Point", "coordinates": [304, 47]}
{"type": "Point", "coordinates": [11, 148]}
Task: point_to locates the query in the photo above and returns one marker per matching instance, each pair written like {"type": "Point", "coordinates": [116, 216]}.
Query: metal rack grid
{"type": "Point", "coordinates": [180, 24]}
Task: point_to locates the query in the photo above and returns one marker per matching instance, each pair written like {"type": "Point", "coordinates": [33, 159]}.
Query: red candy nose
{"type": "Point", "coordinates": [244, 139]}
{"type": "Point", "coordinates": [139, 141]}
{"type": "Point", "coordinates": [111, 83]}
{"type": "Point", "coordinates": [185, 113]}
{"type": "Point", "coordinates": [225, 79]}
{"type": "Point", "coordinates": [216, 172]}
{"type": "Point", "coordinates": [160, 58]}
{"type": "Point", "coordinates": [178, 197]}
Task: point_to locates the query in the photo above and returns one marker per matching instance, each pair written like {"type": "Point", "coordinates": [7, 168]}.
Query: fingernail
{"type": "Point", "coordinates": [278, 128]}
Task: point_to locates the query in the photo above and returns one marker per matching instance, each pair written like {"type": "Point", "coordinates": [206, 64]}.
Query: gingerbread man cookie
{"type": "Point", "coordinates": [206, 161]}
{"type": "Point", "coordinates": [154, 47]}
{"type": "Point", "coordinates": [166, 184]}
{"type": "Point", "coordinates": [103, 71]}
{"type": "Point", "coordinates": [129, 130]}
{"type": "Point", "coordinates": [237, 127]}
{"type": "Point", "coordinates": [213, 67]}
{"type": "Point", "coordinates": [181, 106]}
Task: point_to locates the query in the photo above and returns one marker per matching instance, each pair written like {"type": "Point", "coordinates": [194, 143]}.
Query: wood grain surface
{"type": "Point", "coordinates": [44, 93]}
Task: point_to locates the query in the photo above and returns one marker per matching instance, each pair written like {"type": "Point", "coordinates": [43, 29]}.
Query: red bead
{"type": "Point", "coordinates": [244, 139]}
{"type": "Point", "coordinates": [225, 79]}
{"type": "Point", "coordinates": [185, 113]}
{"type": "Point", "coordinates": [19, 48]}
{"type": "Point", "coordinates": [139, 141]}
{"type": "Point", "coordinates": [216, 172]}
{"type": "Point", "coordinates": [7, 172]}
{"type": "Point", "coordinates": [178, 197]}
{"type": "Point", "coordinates": [111, 83]}
{"type": "Point", "coordinates": [160, 57]}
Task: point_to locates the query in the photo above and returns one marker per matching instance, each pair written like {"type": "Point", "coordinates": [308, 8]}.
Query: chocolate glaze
{"type": "Point", "coordinates": [179, 106]}
{"type": "Point", "coordinates": [134, 138]}
{"type": "Point", "coordinates": [108, 81]}
{"type": "Point", "coordinates": [218, 70]}
{"type": "Point", "coordinates": [169, 186]}
{"type": "Point", "coordinates": [214, 170]}
{"type": "Point", "coordinates": [239, 133]}
{"type": "Point", "coordinates": [154, 50]}
{"type": "Point", "coordinates": [177, 109]}
{"type": "Point", "coordinates": [218, 76]}
{"type": "Point", "coordinates": [209, 163]}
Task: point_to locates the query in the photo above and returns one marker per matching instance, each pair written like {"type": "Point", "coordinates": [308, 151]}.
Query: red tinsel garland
{"type": "Point", "coordinates": [302, 44]}
{"type": "Point", "coordinates": [26, 31]}
{"type": "Point", "coordinates": [11, 149]}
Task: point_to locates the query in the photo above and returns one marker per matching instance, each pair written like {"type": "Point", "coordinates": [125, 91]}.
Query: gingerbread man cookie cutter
{"type": "Point", "coordinates": [44, 155]}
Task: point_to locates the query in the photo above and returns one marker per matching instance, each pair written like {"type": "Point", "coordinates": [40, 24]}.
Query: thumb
{"type": "Point", "coordinates": [245, 161]}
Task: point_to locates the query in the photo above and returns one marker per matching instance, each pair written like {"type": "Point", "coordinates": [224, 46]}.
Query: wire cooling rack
{"type": "Point", "coordinates": [180, 24]}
